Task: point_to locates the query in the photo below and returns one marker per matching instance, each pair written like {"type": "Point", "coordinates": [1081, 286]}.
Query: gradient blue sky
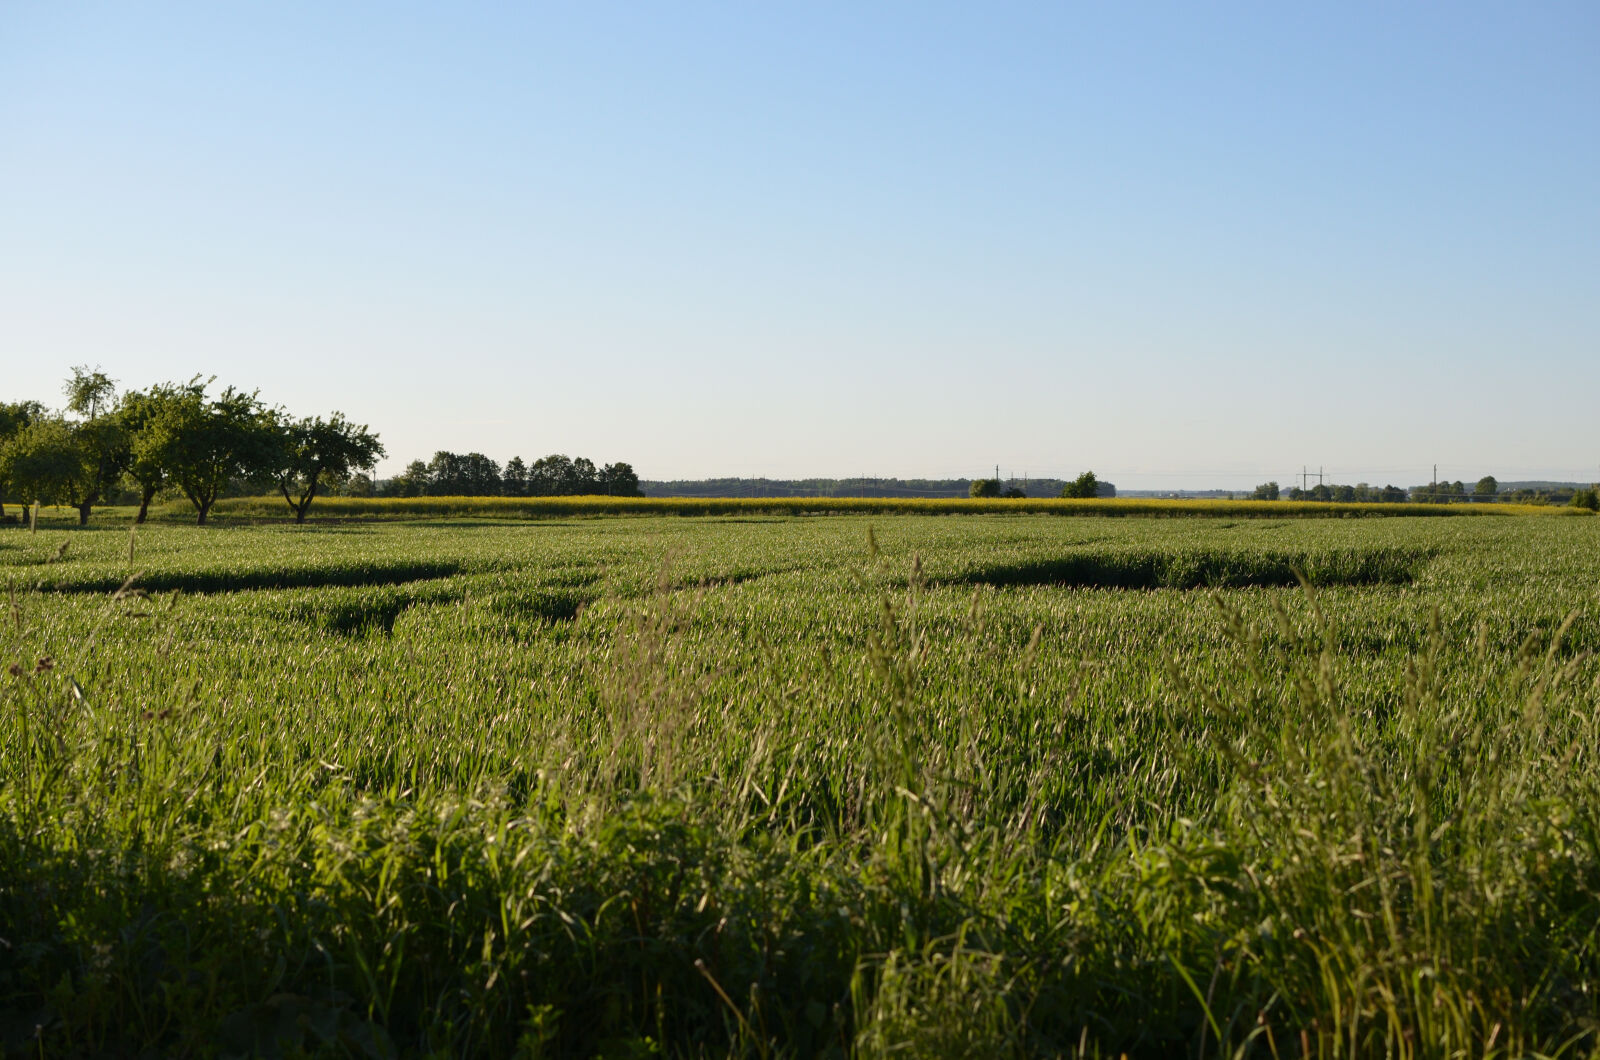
{"type": "Point", "coordinates": [1183, 244]}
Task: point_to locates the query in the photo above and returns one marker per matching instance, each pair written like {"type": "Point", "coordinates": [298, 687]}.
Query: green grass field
{"type": "Point", "coordinates": [772, 785]}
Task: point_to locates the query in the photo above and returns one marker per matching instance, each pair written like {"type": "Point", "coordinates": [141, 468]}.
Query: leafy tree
{"type": "Point", "coordinates": [312, 451]}
{"type": "Point", "coordinates": [412, 482]}
{"type": "Point", "coordinates": [204, 444]}
{"type": "Point", "coordinates": [483, 476]}
{"type": "Point", "coordinates": [1440, 492]}
{"type": "Point", "coordinates": [985, 487]}
{"type": "Point", "coordinates": [462, 475]}
{"type": "Point", "coordinates": [106, 455]}
{"type": "Point", "coordinates": [1267, 491]}
{"type": "Point", "coordinates": [1015, 493]}
{"type": "Point", "coordinates": [1487, 487]}
{"type": "Point", "coordinates": [1586, 498]}
{"type": "Point", "coordinates": [585, 477]}
{"type": "Point", "coordinates": [74, 462]}
{"type": "Point", "coordinates": [44, 461]}
{"type": "Point", "coordinates": [138, 411]}
{"type": "Point", "coordinates": [552, 476]}
{"type": "Point", "coordinates": [90, 392]}
{"type": "Point", "coordinates": [514, 479]}
{"type": "Point", "coordinates": [1085, 486]}
{"type": "Point", "coordinates": [473, 474]}
{"type": "Point", "coordinates": [446, 476]}
{"type": "Point", "coordinates": [619, 480]}
{"type": "Point", "coordinates": [14, 416]}
{"type": "Point", "coordinates": [100, 437]}
{"type": "Point", "coordinates": [357, 485]}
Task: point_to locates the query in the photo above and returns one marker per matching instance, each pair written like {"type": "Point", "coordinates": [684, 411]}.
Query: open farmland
{"type": "Point", "coordinates": [775, 785]}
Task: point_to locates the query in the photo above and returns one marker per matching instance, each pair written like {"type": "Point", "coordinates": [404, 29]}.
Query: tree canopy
{"type": "Point", "coordinates": [205, 443]}
{"type": "Point", "coordinates": [475, 475]}
{"type": "Point", "coordinates": [43, 461]}
{"type": "Point", "coordinates": [314, 451]}
{"type": "Point", "coordinates": [71, 459]}
{"type": "Point", "coordinates": [1084, 486]}
{"type": "Point", "coordinates": [14, 416]}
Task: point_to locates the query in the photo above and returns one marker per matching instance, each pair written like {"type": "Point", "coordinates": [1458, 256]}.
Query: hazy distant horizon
{"type": "Point", "coordinates": [1185, 246]}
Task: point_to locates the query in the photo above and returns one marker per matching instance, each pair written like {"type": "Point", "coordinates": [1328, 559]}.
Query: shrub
{"type": "Point", "coordinates": [985, 487]}
{"type": "Point", "coordinates": [1084, 487]}
{"type": "Point", "coordinates": [1586, 498]}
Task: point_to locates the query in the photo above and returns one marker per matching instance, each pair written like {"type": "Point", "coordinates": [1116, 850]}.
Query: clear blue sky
{"type": "Point", "coordinates": [1182, 244]}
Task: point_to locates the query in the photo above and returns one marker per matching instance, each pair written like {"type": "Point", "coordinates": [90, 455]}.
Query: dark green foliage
{"type": "Point", "coordinates": [73, 460]}
{"type": "Point", "coordinates": [1440, 493]}
{"type": "Point", "coordinates": [475, 475]}
{"type": "Point", "coordinates": [1586, 498]}
{"type": "Point", "coordinates": [562, 476]}
{"type": "Point", "coordinates": [412, 482]}
{"type": "Point", "coordinates": [457, 475]}
{"type": "Point", "coordinates": [618, 480]}
{"type": "Point", "coordinates": [1084, 487]}
{"type": "Point", "coordinates": [984, 487]}
{"type": "Point", "coordinates": [514, 480]}
{"type": "Point", "coordinates": [99, 435]}
{"type": "Point", "coordinates": [315, 452]}
{"type": "Point", "coordinates": [44, 461]}
{"type": "Point", "coordinates": [14, 416]}
{"type": "Point", "coordinates": [204, 444]}
{"type": "Point", "coordinates": [138, 413]}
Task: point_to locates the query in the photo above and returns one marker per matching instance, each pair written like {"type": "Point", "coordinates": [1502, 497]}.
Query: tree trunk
{"type": "Point", "coordinates": [204, 508]}
{"type": "Point", "coordinates": [306, 498]}
{"type": "Point", "coordinates": [83, 514]}
{"type": "Point", "coordinates": [144, 504]}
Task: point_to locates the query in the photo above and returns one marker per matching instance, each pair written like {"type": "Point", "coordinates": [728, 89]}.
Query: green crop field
{"type": "Point", "coordinates": [784, 785]}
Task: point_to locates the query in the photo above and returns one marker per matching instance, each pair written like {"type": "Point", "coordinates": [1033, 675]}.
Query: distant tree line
{"type": "Point", "coordinates": [171, 438]}
{"type": "Point", "coordinates": [475, 475]}
{"type": "Point", "coordinates": [1084, 486]}
{"type": "Point", "coordinates": [862, 487]}
{"type": "Point", "coordinates": [1486, 489]}
{"type": "Point", "coordinates": [1360, 493]}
